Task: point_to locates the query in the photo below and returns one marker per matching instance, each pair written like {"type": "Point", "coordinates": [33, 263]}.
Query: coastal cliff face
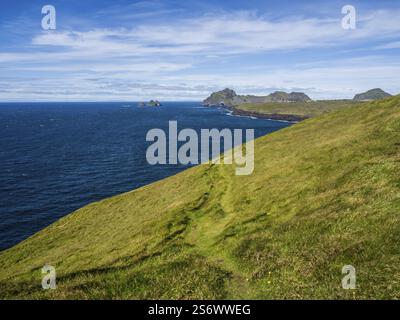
{"type": "Point", "coordinates": [228, 97]}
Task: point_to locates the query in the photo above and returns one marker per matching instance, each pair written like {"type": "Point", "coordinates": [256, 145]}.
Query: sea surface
{"type": "Point", "coordinates": [58, 157]}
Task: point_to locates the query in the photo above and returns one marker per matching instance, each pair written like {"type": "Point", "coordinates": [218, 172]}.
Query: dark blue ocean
{"type": "Point", "coordinates": [58, 157]}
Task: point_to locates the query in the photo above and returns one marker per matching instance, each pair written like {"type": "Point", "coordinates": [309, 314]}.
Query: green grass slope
{"type": "Point", "coordinates": [308, 109]}
{"type": "Point", "coordinates": [325, 193]}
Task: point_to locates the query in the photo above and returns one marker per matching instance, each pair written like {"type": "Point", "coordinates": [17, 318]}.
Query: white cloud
{"type": "Point", "coordinates": [230, 33]}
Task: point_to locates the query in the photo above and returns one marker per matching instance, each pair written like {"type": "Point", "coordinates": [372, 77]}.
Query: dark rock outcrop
{"type": "Point", "coordinates": [151, 103]}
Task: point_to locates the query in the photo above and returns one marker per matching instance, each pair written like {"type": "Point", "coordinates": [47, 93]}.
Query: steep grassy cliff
{"type": "Point", "coordinates": [325, 193]}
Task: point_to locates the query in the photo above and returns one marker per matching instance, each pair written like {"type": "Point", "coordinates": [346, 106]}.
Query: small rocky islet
{"type": "Point", "coordinates": [151, 103]}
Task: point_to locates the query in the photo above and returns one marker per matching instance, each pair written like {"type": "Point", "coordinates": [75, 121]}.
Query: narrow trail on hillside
{"type": "Point", "coordinates": [209, 222]}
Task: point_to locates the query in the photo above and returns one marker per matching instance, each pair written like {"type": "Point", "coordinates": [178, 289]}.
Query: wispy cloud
{"type": "Point", "coordinates": [230, 33]}
{"type": "Point", "coordinates": [390, 45]}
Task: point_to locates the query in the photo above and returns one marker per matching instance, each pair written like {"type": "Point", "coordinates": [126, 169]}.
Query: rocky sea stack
{"type": "Point", "coordinates": [151, 103]}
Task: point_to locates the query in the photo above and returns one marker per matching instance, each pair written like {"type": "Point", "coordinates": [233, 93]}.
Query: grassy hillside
{"type": "Point", "coordinates": [325, 193]}
{"type": "Point", "coordinates": [309, 108]}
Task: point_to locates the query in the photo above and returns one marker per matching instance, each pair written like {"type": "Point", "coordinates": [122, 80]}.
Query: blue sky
{"type": "Point", "coordinates": [183, 50]}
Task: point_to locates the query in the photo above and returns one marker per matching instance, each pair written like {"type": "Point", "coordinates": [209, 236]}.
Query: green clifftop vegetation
{"type": "Point", "coordinates": [325, 193]}
{"type": "Point", "coordinates": [308, 109]}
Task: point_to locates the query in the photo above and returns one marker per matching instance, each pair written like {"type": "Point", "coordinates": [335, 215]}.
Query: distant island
{"type": "Point", "coordinates": [293, 107]}
{"type": "Point", "coordinates": [373, 94]}
{"type": "Point", "coordinates": [228, 97]}
{"type": "Point", "coordinates": [151, 103]}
